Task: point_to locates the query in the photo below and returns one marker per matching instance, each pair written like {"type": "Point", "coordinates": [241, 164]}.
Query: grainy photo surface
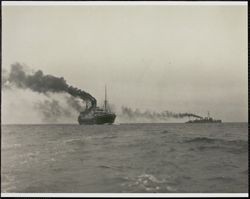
{"type": "Point", "coordinates": [124, 99]}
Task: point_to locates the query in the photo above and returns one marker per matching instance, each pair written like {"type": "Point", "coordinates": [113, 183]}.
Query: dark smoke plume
{"type": "Point", "coordinates": [153, 116]}
{"type": "Point", "coordinates": [38, 82]}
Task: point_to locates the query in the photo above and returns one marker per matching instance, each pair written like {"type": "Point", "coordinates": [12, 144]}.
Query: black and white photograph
{"type": "Point", "coordinates": [125, 98]}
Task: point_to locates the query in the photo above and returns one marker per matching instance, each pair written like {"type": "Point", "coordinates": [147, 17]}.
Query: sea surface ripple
{"type": "Point", "coordinates": [125, 158]}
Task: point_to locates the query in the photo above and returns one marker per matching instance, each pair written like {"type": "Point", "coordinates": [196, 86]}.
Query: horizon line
{"type": "Point", "coordinates": [115, 123]}
{"type": "Point", "coordinates": [117, 3]}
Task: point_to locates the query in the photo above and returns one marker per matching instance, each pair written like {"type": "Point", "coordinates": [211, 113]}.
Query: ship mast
{"type": "Point", "coordinates": [105, 101]}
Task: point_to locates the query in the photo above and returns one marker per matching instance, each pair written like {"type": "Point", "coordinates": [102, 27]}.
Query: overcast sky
{"type": "Point", "coordinates": [177, 58]}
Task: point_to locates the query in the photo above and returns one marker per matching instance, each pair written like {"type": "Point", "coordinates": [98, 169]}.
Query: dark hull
{"type": "Point", "coordinates": [103, 119]}
{"type": "Point", "coordinates": [204, 121]}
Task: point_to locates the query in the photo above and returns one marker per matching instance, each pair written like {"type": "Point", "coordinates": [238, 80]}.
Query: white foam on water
{"type": "Point", "coordinates": [149, 183]}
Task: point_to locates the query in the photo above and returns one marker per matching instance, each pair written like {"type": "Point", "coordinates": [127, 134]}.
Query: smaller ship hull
{"type": "Point", "coordinates": [101, 119]}
{"type": "Point", "coordinates": [202, 121]}
{"type": "Point", "coordinates": [205, 120]}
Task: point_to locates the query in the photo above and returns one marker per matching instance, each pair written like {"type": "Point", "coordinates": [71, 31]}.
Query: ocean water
{"type": "Point", "coordinates": [125, 158]}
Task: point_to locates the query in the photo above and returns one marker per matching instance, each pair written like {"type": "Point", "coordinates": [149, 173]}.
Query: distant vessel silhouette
{"type": "Point", "coordinates": [207, 119]}
{"type": "Point", "coordinates": [98, 115]}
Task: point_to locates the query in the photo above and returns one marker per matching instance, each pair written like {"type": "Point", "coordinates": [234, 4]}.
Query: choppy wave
{"type": "Point", "coordinates": [201, 140]}
{"type": "Point", "coordinates": [245, 171]}
{"type": "Point", "coordinates": [207, 140]}
{"type": "Point", "coordinates": [109, 137]}
{"type": "Point", "coordinates": [105, 166]}
{"type": "Point", "coordinates": [232, 146]}
{"type": "Point", "coordinates": [141, 158]}
{"type": "Point", "coordinates": [75, 141]}
{"type": "Point", "coordinates": [114, 167]}
{"type": "Point", "coordinates": [149, 183]}
{"type": "Point", "coordinates": [165, 131]}
{"type": "Point", "coordinates": [222, 179]}
{"type": "Point", "coordinates": [13, 146]}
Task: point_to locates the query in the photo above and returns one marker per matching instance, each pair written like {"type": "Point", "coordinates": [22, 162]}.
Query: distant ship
{"type": "Point", "coordinates": [98, 115]}
{"type": "Point", "coordinates": [207, 119]}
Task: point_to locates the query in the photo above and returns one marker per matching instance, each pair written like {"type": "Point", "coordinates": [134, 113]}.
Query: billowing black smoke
{"type": "Point", "coordinates": [41, 83]}
{"type": "Point", "coordinates": [153, 116]}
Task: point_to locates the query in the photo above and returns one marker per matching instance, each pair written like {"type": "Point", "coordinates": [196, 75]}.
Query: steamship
{"type": "Point", "coordinates": [97, 115]}
{"type": "Point", "coordinates": [207, 119]}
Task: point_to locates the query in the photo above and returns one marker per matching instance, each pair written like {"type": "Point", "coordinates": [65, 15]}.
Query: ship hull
{"type": "Point", "coordinates": [103, 119]}
{"type": "Point", "coordinates": [201, 121]}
